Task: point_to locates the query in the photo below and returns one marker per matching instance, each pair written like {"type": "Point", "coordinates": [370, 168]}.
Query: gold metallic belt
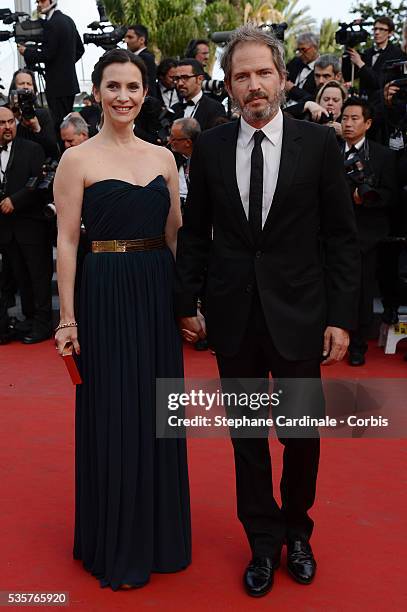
{"type": "Point", "coordinates": [126, 246]}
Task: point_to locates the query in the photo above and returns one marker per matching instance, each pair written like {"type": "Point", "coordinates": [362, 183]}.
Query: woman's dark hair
{"type": "Point", "coordinates": [23, 71]}
{"type": "Point", "coordinates": [118, 56]}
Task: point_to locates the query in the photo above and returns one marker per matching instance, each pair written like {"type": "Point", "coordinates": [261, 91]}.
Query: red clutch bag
{"type": "Point", "coordinates": [70, 364]}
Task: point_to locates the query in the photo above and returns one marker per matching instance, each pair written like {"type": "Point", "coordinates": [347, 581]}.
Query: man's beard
{"type": "Point", "coordinates": [271, 108]}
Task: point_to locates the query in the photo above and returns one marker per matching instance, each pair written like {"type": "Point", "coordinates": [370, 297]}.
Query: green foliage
{"type": "Point", "coordinates": [327, 42]}
{"type": "Point", "coordinates": [218, 16]}
{"type": "Point", "coordinates": [174, 35]}
{"type": "Point", "coordinates": [371, 10]}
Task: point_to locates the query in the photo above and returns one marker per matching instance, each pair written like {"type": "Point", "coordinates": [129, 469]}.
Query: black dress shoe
{"type": "Point", "coordinates": [300, 561]}
{"type": "Point", "coordinates": [356, 359]}
{"type": "Point", "coordinates": [259, 575]}
{"type": "Point", "coordinates": [35, 336]}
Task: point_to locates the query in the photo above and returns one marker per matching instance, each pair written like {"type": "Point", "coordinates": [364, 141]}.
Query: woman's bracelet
{"type": "Point", "coordinates": [63, 325]}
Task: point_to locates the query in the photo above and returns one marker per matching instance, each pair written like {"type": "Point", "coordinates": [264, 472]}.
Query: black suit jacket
{"type": "Point", "coordinates": [309, 89]}
{"type": "Point", "coordinates": [61, 49]}
{"type": "Point", "coordinates": [26, 223]}
{"type": "Point", "coordinates": [373, 216]}
{"type": "Point", "coordinates": [46, 137]}
{"type": "Point", "coordinates": [372, 78]}
{"type": "Point", "coordinates": [306, 266]}
{"type": "Point", "coordinates": [149, 60]}
{"type": "Point", "coordinates": [206, 114]}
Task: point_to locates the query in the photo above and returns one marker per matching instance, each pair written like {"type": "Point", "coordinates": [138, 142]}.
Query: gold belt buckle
{"type": "Point", "coordinates": [120, 246]}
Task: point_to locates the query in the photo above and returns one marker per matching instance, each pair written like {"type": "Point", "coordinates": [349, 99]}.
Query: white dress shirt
{"type": "Point", "coordinates": [271, 147]}
{"type": "Point", "coordinates": [191, 110]}
{"type": "Point", "coordinates": [303, 75]}
{"type": "Point", "coordinates": [358, 146]}
{"type": "Point", "coordinates": [139, 51]}
{"type": "Point", "coordinates": [4, 159]}
{"type": "Point", "coordinates": [169, 96]}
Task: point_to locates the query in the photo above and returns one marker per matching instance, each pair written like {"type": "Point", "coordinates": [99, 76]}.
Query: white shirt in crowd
{"type": "Point", "coordinates": [191, 110]}
{"type": "Point", "coordinates": [4, 159]}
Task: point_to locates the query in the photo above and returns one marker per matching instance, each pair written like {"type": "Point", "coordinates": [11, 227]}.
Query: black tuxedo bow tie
{"type": "Point", "coordinates": [189, 103]}
{"type": "Point", "coordinates": [352, 151]}
{"type": "Point", "coordinates": [3, 148]}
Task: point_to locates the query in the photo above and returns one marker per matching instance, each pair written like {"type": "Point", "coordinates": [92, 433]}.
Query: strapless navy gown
{"type": "Point", "coordinates": [132, 495]}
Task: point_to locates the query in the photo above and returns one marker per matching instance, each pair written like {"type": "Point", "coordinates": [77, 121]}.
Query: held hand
{"type": "Point", "coordinates": [336, 342]}
{"type": "Point", "coordinates": [32, 124]}
{"type": "Point", "coordinates": [193, 328]}
{"type": "Point", "coordinates": [66, 340]}
{"type": "Point", "coordinates": [355, 58]}
{"type": "Point", "coordinates": [6, 206]}
{"type": "Point", "coordinates": [336, 126]}
{"type": "Point", "coordinates": [315, 109]}
{"type": "Point", "coordinates": [390, 91]}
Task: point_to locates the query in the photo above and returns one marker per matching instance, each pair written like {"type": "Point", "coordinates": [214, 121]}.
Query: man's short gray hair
{"type": "Point", "coordinates": [78, 123]}
{"type": "Point", "coordinates": [190, 127]}
{"type": "Point", "coordinates": [308, 37]}
{"type": "Point", "coordinates": [251, 34]}
{"type": "Point", "coordinates": [329, 59]}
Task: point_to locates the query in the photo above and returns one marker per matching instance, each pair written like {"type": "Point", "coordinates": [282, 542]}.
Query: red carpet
{"type": "Point", "coordinates": [359, 539]}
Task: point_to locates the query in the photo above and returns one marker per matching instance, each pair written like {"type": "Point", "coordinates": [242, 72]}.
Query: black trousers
{"type": "Point", "coordinates": [359, 337]}
{"type": "Point", "coordinates": [265, 523]}
{"type": "Point", "coordinates": [32, 269]}
{"type": "Point", "coordinates": [60, 108]}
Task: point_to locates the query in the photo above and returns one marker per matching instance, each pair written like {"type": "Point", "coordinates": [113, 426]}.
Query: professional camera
{"type": "Point", "coordinates": [277, 28]}
{"type": "Point", "coordinates": [349, 37]}
{"type": "Point", "coordinates": [43, 184]}
{"type": "Point", "coordinates": [24, 100]}
{"type": "Point", "coordinates": [329, 118]}
{"type": "Point", "coordinates": [396, 73]}
{"type": "Point", "coordinates": [107, 39]}
{"type": "Point", "coordinates": [25, 30]}
{"type": "Point", "coordinates": [213, 86]}
{"type": "Point", "coordinates": [361, 177]}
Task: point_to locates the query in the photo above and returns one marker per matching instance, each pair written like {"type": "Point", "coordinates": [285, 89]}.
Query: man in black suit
{"type": "Point", "coordinates": [300, 84]}
{"type": "Point", "coordinates": [38, 128]}
{"type": "Point", "coordinates": [24, 229]}
{"type": "Point", "coordinates": [136, 39]}
{"type": "Point", "coordinates": [269, 215]}
{"type": "Point", "coordinates": [188, 81]}
{"type": "Point", "coordinates": [166, 91]}
{"type": "Point", "coordinates": [373, 197]}
{"type": "Point", "coordinates": [61, 49]}
{"type": "Point", "coordinates": [370, 66]}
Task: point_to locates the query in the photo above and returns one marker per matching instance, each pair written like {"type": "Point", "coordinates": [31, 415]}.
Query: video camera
{"type": "Point", "coordinates": [107, 39]}
{"type": "Point", "coordinates": [43, 184]}
{"type": "Point", "coordinates": [396, 74]}
{"type": "Point", "coordinates": [24, 100]}
{"type": "Point", "coordinates": [360, 175]}
{"type": "Point", "coordinates": [213, 86]}
{"type": "Point", "coordinates": [349, 37]}
{"type": "Point", "coordinates": [25, 30]}
{"type": "Point", "coordinates": [277, 28]}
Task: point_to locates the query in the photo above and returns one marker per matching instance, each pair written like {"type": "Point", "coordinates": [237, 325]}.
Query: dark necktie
{"type": "Point", "coordinates": [189, 103]}
{"type": "Point", "coordinates": [352, 151]}
{"type": "Point", "coordinates": [256, 185]}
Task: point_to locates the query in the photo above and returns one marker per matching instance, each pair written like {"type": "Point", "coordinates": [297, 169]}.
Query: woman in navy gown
{"type": "Point", "coordinates": [132, 496]}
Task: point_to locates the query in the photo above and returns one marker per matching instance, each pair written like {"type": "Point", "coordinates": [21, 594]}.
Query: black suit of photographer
{"type": "Point", "coordinates": [372, 76]}
{"type": "Point", "coordinates": [308, 90]}
{"type": "Point", "coordinates": [61, 49]}
{"type": "Point", "coordinates": [46, 138]}
{"type": "Point", "coordinates": [206, 113]}
{"type": "Point", "coordinates": [24, 234]}
{"type": "Point", "coordinates": [373, 223]}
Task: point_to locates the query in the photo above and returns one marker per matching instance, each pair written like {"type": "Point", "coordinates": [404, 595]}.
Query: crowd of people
{"type": "Point", "coordinates": [273, 265]}
{"type": "Point", "coordinates": [369, 122]}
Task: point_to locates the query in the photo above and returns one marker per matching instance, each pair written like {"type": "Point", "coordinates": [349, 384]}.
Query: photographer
{"type": "Point", "coordinates": [370, 65]}
{"type": "Point", "coordinates": [327, 108]}
{"type": "Point", "coordinates": [198, 48]}
{"type": "Point", "coordinates": [24, 229]}
{"type": "Point", "coordinates": [61, 49]}
{"type": "Point", "coordinates": [166, 91]}
{"type": "Point", "coordinates": [188, 82]}
{"type": "Point", "coordinates": [300, 83]}
{"type": "Point", "coordinates": [33, 123]}
{"type": "Point", "coordinates": [371, 172]}
{"type": "Point", "coordinates": [74, 130]}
